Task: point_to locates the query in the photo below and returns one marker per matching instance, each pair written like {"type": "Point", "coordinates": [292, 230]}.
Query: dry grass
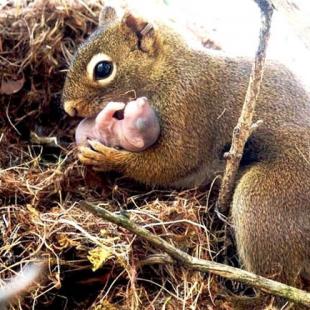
{"type": "Point", "coordinates": [41, 181]}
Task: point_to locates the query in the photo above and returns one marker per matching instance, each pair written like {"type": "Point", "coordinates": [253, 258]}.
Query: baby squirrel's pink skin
{"type": "Point", "coordinates": [138, 130]}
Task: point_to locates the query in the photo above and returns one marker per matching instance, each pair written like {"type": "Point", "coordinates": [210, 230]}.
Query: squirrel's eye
{"type": "Point", "coordinates": [103, 69]}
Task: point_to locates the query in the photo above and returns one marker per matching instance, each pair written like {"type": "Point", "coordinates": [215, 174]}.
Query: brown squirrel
{"type": "Point", "coordinates": [197, 96]}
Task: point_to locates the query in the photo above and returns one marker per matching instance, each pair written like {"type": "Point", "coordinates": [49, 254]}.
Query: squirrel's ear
{"type": "Point", "coordinates": [144, 31]}
{"type": "Point", "coordinates": [107, 15]}
{"type": "Point", "coordinates": [112, 11]}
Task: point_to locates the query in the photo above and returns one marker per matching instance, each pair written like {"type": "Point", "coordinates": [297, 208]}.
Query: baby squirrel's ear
{"type": "Point", "coordinates": [144, 31]}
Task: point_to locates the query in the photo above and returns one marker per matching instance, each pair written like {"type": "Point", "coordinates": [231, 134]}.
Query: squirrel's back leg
{"type": "Point", "coordinates": [271, 218]}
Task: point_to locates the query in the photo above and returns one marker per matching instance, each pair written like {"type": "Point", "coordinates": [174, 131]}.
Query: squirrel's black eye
{"type": "Point", "coordinates": [103, 69]}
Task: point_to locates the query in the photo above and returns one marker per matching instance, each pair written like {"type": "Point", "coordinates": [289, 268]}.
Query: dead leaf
{"type": "Point", "coordinates": [10, 87]}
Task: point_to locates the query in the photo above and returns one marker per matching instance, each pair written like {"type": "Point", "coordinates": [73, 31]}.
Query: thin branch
{"type": "Point", "coordinates": [244, 126]}
{"type": "Point", "coordinates": [180, 257]}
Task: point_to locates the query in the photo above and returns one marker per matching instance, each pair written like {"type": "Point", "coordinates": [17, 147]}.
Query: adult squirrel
{"type": "Point", "coordinates": [198, 95]}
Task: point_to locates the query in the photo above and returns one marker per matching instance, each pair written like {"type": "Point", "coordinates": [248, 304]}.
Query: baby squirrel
{"type": "Point", "coordinates": [135, 129]}
{"type": "Point", "coordinates": [198, 96]}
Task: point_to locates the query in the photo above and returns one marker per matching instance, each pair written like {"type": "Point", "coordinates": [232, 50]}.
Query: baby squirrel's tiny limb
{"type": "Point", "coordinates": [105, 117]}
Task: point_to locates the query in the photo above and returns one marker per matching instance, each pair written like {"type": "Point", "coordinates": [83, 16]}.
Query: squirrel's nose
{"type": "Point", "coordinates": [70, 109]}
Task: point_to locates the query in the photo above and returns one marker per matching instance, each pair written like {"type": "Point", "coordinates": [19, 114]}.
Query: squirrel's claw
{"type": "Point", "coordinates": [89, 156]}
{"type": "Point", "coordinates": [92, 158]}
{"type": "Point", "coordinates": [102, 157]}
{"type": "Point", "coordinates": [88, 161]}
{"type": "Point", "coordinates": [100, 148]}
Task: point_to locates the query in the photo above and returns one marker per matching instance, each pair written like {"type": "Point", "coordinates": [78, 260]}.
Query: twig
{"type": "Point", "coordinates": [267, 285]}
{"type": "Point", "coordinates": [244, 126]}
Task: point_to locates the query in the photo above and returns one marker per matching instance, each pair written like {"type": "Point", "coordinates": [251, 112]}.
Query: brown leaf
{"type": "Point", "coordinates": [10, 87]}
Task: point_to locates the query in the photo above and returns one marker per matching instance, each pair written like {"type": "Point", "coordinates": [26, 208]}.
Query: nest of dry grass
{"type": "Point", "coordinates": [92, 264]}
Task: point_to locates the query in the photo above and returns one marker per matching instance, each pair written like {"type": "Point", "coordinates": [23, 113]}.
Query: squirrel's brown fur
{"type": "Point", "coordinates": [198, 95]}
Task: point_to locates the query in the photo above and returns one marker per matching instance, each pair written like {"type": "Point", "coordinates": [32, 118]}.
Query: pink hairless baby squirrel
{"type": "Point", "coordinates": [136, 131]}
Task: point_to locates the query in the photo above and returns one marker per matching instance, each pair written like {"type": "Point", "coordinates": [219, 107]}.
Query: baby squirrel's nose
{"type": "Point", "coordinates": [70, 109]}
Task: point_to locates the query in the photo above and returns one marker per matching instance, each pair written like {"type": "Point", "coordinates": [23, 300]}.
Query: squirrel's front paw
{"type": "Point", "coordinates": [102, 157]}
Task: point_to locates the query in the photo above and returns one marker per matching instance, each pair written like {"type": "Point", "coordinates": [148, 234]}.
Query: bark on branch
{"type": "Point", "coordinates": [267, 285]}
{"type": "Point", "coordinates": [245, 126]}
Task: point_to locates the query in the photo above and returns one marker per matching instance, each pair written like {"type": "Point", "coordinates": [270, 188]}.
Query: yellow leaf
{"type": "Point", "coordinates": [98, 256]}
